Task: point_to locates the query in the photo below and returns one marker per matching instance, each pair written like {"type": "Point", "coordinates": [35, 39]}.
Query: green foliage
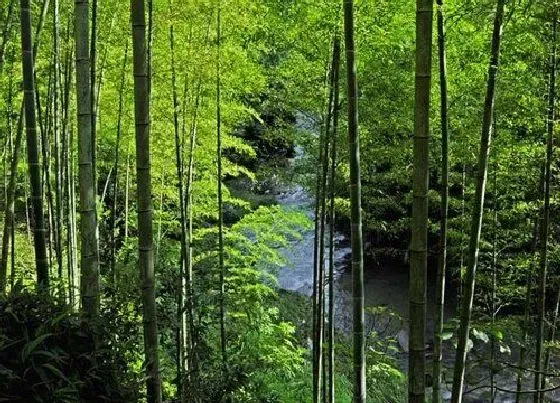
{"type": "Point", "coordinates": [47, 355]}
{"type": "Point", "coordinates": [386, 383]}
{"type": "Point", "coordinates": [274, 60]}
{"type": "Point", "coordinates": [261, 345]}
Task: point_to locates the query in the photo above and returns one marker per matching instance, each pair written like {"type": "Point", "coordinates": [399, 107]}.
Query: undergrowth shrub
{"type": "Point", "coordinates": [47, 354]}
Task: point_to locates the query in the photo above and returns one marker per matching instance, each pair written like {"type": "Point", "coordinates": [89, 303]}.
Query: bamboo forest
{"type": "Point", "coordinates": [279, 201]}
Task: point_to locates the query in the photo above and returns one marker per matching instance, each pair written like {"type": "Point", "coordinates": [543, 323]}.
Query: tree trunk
{"type": "Point", "coordinates": [552, 339]}
{"type": "Point", "coordinates": [10, 186]}
{"type": "Point", "coordinates": [220, 202]}
{"type": "Point", "coordinates": [13, 256]}
{"type": "Point", "coordinates": [144, 199]}
{"type": "Point", "coordinates": [476, 223]}
{"type": "Point", "coordinates": [73, 235]}
{"type": "Point", "coordinates": [44, 130]}
{"type": "Point", "coordinates": [150, 47]}
{"type": "Point", "coordinates": [41, 261]}
{"type": "Point", "coordinates": [159, 236]}
{"type": "Point", "coordinates": [126, 194]}
{"type": "Point", "coordinates": [181, 320]}
{"type": "Point", "coordinates": [525, 331]}
{"type": "Point", "coordinates": [442, 262]}
{"type": "Point", "coordinates": [10, 203]}
{"type": "Point", "coordinates": [316, 305]}
{"type": "Point", "coordinates": [67, 166]}
{"type": "Point", "coordinates": [92, 91]}
{"type": "Point", "coordinates": [418, 245]}
{"type": "Point", "coordinates": [89, 261]}
{"type": "Point", "coordinates": [113, 228]}
{"type": "Point", "coordinates": [336, 110]}
{"type": "Point", "coordinates": [10, 194]}
{"type": "Point", "coordinates": [543, 258]}
{"type": "Point", "coordinates": [321, 218]}
{"type": "Point", "coordinates": [459, 279]}
{"type": "Point", "coordinates": [10, 126]}
{"type": "Point", "coordinates": [356, 208]}
{"type": "Point", "coordinates": [7, 147]}
{"type": "Point", "coordinates": [189, 282]}
{"type": "Point", "coordinates": [494, 274]}
{"type": "Point", "coordinates": [56, 131]}
{"type": "Point", "coordinates": [6, 33]}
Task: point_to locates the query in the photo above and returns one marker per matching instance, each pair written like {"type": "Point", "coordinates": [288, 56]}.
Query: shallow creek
{"type": "Point", "coordinates": [386, 287]}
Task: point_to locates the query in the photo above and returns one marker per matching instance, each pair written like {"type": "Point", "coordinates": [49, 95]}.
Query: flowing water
{"type": "Point", "coordinates": [385, 287]}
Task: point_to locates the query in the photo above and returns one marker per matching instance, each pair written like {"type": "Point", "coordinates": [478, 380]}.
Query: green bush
{"type": "Point", "coordinates": [47, 354]}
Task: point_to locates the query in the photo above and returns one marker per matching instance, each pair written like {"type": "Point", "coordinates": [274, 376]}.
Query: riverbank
{"type": "Point", "coordinates": [386, 296]}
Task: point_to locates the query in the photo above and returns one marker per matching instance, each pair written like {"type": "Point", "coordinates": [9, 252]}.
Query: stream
{"type": "Point", "coordinates": [388, 288]}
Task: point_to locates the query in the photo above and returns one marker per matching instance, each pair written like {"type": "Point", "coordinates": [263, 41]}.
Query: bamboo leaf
{"type": "Point", "coordinates": [32, 345]}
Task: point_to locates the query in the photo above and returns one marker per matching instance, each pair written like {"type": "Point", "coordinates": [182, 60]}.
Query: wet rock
{"type": "Point", "coordinates": [402, 339]}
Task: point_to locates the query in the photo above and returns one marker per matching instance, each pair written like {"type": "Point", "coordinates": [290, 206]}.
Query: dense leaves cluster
{"type": "Point", "coordinates": [47, 354]}
{"type": "Point", "coordinates": [275, 57]}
